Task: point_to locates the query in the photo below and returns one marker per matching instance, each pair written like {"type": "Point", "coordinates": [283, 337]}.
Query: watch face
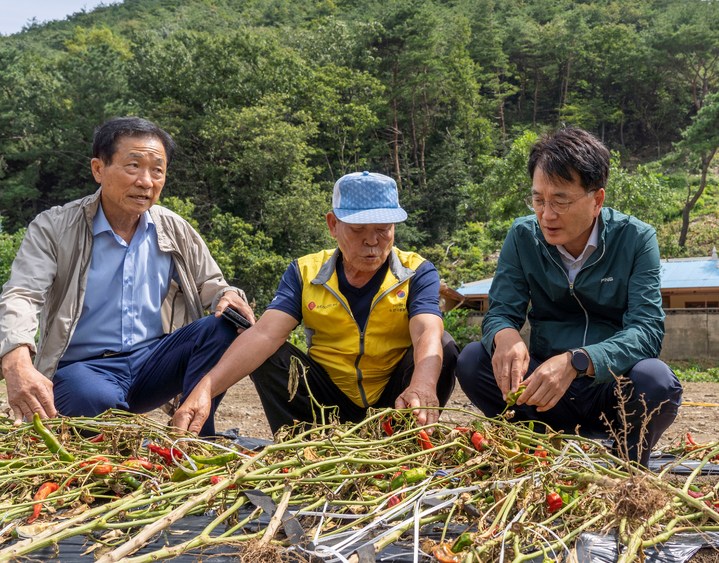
{"type": "Point", "coordinates": [580, 361]}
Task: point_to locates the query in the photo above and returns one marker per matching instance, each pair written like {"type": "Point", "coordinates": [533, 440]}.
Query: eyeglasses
{"type": "Point", "coordinates": [560, 207]}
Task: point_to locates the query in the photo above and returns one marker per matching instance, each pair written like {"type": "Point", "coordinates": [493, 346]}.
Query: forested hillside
{"type": "Point", "coordinates": [270, 101]}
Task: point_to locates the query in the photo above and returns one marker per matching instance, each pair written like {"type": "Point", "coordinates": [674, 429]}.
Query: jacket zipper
{"type": "Point", "coordinates": [571, 284]}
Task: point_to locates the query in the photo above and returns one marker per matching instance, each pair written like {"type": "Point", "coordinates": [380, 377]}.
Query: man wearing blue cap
{"type": "Point", "coordinates": [371, 313]}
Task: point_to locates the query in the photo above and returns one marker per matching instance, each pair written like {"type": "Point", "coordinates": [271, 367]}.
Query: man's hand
{"type": "Point", "coordinates": [193, 413]}
{"type": "Point", "coordinates": [28, 391]}
{"type": "Point", "coordinates": [233, 300]}
{"type": "Point", "coordinates": [548, 383]}
{"type": "Point", "coordinates": [510, 360]}
{"type": "Point", "coordinates": [416, 396]}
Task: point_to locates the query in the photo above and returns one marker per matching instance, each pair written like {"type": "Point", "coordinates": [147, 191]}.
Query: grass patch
{"type": "Point", "coordinates": [705, 372]}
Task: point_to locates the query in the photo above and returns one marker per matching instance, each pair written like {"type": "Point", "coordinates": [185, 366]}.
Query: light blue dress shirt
{"type": "Point", "coordinates": [126, 286]}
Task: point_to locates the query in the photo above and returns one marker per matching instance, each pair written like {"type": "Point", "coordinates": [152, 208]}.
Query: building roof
{"type": "Point", "coordinates": [687, 273]}
{"type": "Point", "coordinates": [480, 287]}
{"type": "Point", "coordinates": [677, 273]}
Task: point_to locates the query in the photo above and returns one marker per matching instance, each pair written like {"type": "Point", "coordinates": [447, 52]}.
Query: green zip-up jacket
{"type": "Point", "coordinates": [613, 309]}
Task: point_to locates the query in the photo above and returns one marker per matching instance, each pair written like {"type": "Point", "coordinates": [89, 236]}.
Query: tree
{"type": "Point", "coordinates": [698, 147]}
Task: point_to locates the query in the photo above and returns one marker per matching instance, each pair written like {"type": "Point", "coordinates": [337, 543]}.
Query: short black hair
{"type": "Point", "coordinates": [104, 142]}
{"type": "Point", "coordinates": [571, 150]}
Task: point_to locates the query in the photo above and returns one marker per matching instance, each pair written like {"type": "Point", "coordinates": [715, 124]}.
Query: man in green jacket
{"type": "Point", "coordinates": [587, 280]}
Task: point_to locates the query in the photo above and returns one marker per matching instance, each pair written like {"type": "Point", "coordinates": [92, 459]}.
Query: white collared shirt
{"type": "Point", "coordinates": [572, 264]}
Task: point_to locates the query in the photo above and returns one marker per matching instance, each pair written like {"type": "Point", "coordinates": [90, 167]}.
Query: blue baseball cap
{"type": "Point", "coordinates": [367, 197]}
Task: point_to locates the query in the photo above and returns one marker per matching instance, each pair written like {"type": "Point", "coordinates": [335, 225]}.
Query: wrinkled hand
{"type": "Point", "coordinates": [548, 383]}
{"type": "Point", "coordinates": [193, 413]}
{"type": "Point", "coordinates": [28, 391]}
{"type": "Point", "coordinates": [233, 300]}
{"type": "Point", "coordinates": [417, 396]}
{"type": "Point", "coordinates": [510, 360]}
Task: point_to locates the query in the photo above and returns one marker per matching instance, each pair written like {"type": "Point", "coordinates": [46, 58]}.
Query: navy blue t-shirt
{"type": "Point", "coordinates": [423, 294]}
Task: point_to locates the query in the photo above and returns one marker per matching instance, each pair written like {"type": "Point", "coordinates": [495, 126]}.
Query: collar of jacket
{"type": "Point", "coordinates": [399, 271]}
{"type": "Point", "coordinates": [91, 204]}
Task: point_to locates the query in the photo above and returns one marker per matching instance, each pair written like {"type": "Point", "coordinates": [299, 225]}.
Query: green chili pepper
{"type": "Point", "coordinates": [180, 474]}
{"type": "Point", "coordinates": [408, 477]}
{"type": "Point", "coordinates": [461, 542]}
{"type": "Point", "coordinates": [51, 441]}
{"type": "Point", "coordinates": [381, 484]}
{"type": "Point", "coordinates": [131, 482]}
{"type": "Point", "coordinates": [221, 459]}
{"type": "Point", "coordinates": [512, 396]}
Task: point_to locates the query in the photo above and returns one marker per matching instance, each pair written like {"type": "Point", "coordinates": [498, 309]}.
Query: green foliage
{"type": "Point", "coordinates": [9, 245]}
{"type": "Point", "coordinates": [270, 102]}
{"type": "Point", "coordinates": [457, 324]}
{"type": "Point", "coordinates": [643, 193]}
{"type": "Point", "coordinates": [470, 255]}
{"type": "Point", "coordinates": [244, 255]}
{"type": "Point", "coordinates": [695, 372]}
{"type": "Point", "coordinates": [505, 184]}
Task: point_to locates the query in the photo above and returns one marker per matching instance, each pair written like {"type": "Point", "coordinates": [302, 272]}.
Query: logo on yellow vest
{"type": "Point", "coordinates": [312, 305]}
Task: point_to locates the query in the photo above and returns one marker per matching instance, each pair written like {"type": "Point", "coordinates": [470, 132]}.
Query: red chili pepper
{"type": "Point", "coordinates": [387, 426]}
{"type": "Point", "coordinates": [691, 444]}
{"type": "Point", "coordinates": [695, 494]}
{"type": "Point", "coordinates": [394, 500]}
{"type": "Point", "coordinates": [100, 465]}
{"type": "Point", "coordinates": [479, 442]}
{"type": "Point", "coordinates": [97, 439]}
{"type": "Point", "coordinates": [444, 554]}
{"type": "Point", "coordinates": [166, 454]}
{"type": "Point", "coordinates": [540, 452]}
{"type": "Point", "coordinates": [218, 478]}
{"type": "Point", "coordinates": [41, 494]}
{"type": "Point", "coordinates": [462, 429]}
{"type": "Point", "coordinates": [424, 440]}
{"type": "Point", "coordinates": [141, 463]}
{"type": "Point", "coordinates": [554, 502]}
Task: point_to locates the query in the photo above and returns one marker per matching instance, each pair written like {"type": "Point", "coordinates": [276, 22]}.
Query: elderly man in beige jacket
{"type": "Point", "coordinates": [110, 277]}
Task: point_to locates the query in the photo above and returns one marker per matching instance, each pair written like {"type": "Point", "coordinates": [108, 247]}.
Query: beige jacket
{"type": "Point", "coordinates": [49, 277]}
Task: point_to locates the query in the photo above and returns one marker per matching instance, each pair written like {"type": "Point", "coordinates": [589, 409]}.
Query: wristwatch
{"type": "Point", "coordinates": [580, 361]}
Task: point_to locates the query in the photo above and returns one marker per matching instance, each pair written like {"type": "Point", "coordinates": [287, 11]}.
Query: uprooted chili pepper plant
{"type": "Point", "coordinates": [488, 490]}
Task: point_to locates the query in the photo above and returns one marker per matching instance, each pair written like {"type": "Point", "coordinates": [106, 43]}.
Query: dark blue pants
{"type": "Point", "coordinates": [147, 378]}
{"type": "Point", "coordinates": [585, 401]}
{"type": "Point", "coordinates": [271, 378]}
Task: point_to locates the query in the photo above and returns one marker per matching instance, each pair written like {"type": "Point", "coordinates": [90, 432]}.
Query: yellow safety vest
{"type": "Point", "coordinates": [359, 363]}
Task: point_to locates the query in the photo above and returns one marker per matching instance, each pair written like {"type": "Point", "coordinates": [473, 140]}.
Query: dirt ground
{"type": "Point", "coordinates": [241, 410]}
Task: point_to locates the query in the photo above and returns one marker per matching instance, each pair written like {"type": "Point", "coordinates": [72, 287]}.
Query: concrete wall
{"type": "Point", "coordinates": [690, 334]}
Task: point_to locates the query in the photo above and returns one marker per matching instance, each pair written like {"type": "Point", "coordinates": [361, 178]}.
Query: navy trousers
{"type": "Point", "coordinates": [650, 390]}
{"type": "Point", "coordinates": [147, 378]}
{"type": "Point", "coordinates": [271, 378]}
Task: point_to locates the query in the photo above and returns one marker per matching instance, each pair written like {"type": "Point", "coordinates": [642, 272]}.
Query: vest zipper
{"type": "Point", "coordinates": [358, 371]}
{"type": "Point", "coordinates": [362, 332]}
